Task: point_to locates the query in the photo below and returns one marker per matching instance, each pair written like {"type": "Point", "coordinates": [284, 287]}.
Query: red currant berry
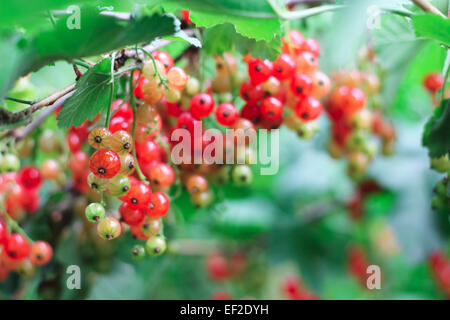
{"type": "Point", "coordinates": [119, 123]}
{"type": "Point", "coordinates": [99, 137]}
{"type": "Point", "coordinates": [124, 110]}
{"type": "Point", "coordinates": [17, 247]}
{"type": "Point", "coordinates": [301, 85]}
{"type": "Point", "coordinates": [74, 142]}
{"type": "Point", "coordinates": [41, 253]}
{"type": "Point", "coordinates": [3, 233]}
{"type": "Point", "coordinates": [226, 114]}
{"type": "Point", "coordinates": [308, 109]}
{"type": "Point", "coordinates": [162, 175]}
{"type": "Point", "coordinates": [164, 58]}
{"type": "Point", "coordinates": [259, 70]}
{"type": "Point", "coordinates": [30, 177]}
{"type": "Point", "coordinates": [284, 67]}
{"type": "Point", "coordinates": [311, 45]}
{"type": "Point", "coordinates": [433, 82]}
{"type": "Point", "coordinates": [159, 205]}
{"type": "Point", "coordinates": [202, 104]}
{"type": "Point", "coordinates": [139, 194]}
{"type": "Point", "coordinates": [217, 266]}
{"type": "Point", "coordinates": [148, 151]}
{"type": "Point", "coordinates": [251, 112]}
{"type": "Point", "coordinates": [271, 108]}
{"type": "Point", "coordinates": [104, 163]}
{"type": "Point", "coordinates": [250, 92]}
{"type": "Point", "coordinates": [132, 216]}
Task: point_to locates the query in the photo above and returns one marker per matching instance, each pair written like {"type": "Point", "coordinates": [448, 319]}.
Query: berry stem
{"type": "Point", "coordinates": [234, 88]}
{"type": "Point", "coordinates": [133, 129]}
{"type": "Point", "coordinates": [161, 78]}
{"type": "Point", "coordinates": [111, 93]}
{"type": "Point", "coordinates": [445, 74]}
{"type": "Point", "coordinates": [81, 63]}
{"type": "Point", "coordinates": [19, 100]}
{"type": "Point", "coordinates": [12, 224]}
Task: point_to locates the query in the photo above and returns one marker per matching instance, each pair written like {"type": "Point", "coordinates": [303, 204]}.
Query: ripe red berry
{"type": "Point", "coordinates": [41, 253]}
{"type": "Point", "coordinates": [119, 123]}
{"type": "Point", "coordinates": [308, 109]}
{"type": "Point", "coordinates": [302, 85]}
{"type": "Point", "coordinates": [311, 45]}
{"type": "Point", "coordinates": [251, 112]}
{"type": "Point", "coordinates": [30, 177]}
{"type": "Point", "coordinates": [164, 58]}
{"type": "Point", "coordinates": [159, 205]}
{"type": "Point", "coordinates": [433, 82]}
{"type": "Point", "coordinates": [17, 247]}
{"type": "Point", "coordinates": [250, 92]}
{"type": "Point", "coordinates": [162, 175]}
{"type": "Point", "coordinates": [271, 108]}
{"type": "Point", "coordinates": [124, 110]}
{"type": "Point", "coordinates": [139, 194]}
{"type": "Point", "coordinates": [104, 163]}
{"type": "Point", "coordinates": [226, 114]}
{"type": "Point", "coordinates": [217, 266]}
{"type": "Point", "coordinates": [284, 67]}
{"type": "Point", "coordinates": [74, 142]}
{"type": "Point", "coordinates": [131, 215]}
{"type": "Point", "coordinates": [202, 104]}
{"type": "Point", "coordinates": [259, 70]}
{"type": "Point", "coordinates": [148, 151]}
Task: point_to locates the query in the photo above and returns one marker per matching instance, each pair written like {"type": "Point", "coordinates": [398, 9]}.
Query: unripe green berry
{"type": "Point", "coordinates": [242, 175]}
{"type": "Point", "coordinates": [138, 252]}
{"type": "Point", "coordinates": [109, 228]}
{"type": "Point", "coordinates": [156, 246]}
{"type": "Point", "coordinates": [9, 162]}
{"type": "Point", "coordinates": [95, 212]}
{"type": "Point", "coordinates": [119, 186]}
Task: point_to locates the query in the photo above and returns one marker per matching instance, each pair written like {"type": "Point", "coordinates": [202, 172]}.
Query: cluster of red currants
{"type": "Point", "coordinates": [292, 80]}
{"type": "Point", "coordinates": [353, 124]}
{"type": "Point", "coordinates": [433, 82]}
{"type": "Point", "coordinates": [221, 267]}
{"type": "Point", "coordinates": [17, 252]}
{"type": "Point", "coordinates": [293, 289]}
{"type": "Point", "coordinates": [440, 268]}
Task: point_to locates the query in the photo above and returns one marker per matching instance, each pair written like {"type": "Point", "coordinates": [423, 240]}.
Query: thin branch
{"type": "Point", "coordinates": [428, 7]}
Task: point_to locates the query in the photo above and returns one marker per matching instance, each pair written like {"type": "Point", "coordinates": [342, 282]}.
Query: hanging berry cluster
{"type": "Point", "coordinates": [440, 268]}
{"type": "Point", "coordinates": [354, 124]}
{"type": "Point", "coordinates": [294, 289]}
{"type": "Point", "coordinates": [20, 195]}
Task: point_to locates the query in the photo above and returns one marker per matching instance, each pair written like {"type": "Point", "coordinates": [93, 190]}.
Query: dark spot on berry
{"type": "Point", "coordinates": [126, 188]}
{"type": "Point", "coordinates": [157, 249]}
{"type": "Point", "coordinates": [202, 101]}
{"type": "Point", "coordinates": [219, 66]}
{"type": "Point", "coordinates": [135, 252]}
{"type": "Point", "coordinates": [98, 139]}
{"type": "Point", "coordinates": [131, 165]}
{"type": "Point", "coordinates": [258, 68]}
{"type": "Point", "coordinates": [101, 170]}
{"type": "Point", "coordinates": [134, 201]}
{"type": "Point", "coordinates": [270, 114]}
{"type": "Point", "coordinates": [321, 82]}
{"type": "Point", "coordinates": [184, 126]}
{"type": "Point", "coordinates": [300, 132]}
{"type": "Point", "coordinates": [127, 145]}
{"type": "Point", "coordinates": [151, 205]}
{"type": "Point", "coordinates": [39, 257]}
{"type": "Point", "coordinates": [279, 69]}
{"type": "Point", "coordinates": [156, 182]}
{"type": "Point", "coordinates": [96, 218]}
{"type": "Point", "coordinates": [226, 114]}
{"type": "Point", "coordinates": [109, 236]}
{"type": "Point", "coordinates": [94, 186]}
{"type": "Point", "coordinates": [299, 89]}
{"type": "Point", "coordinates": [146, 225]}
{"type": "Point", "coordinates": [305, 115]}
{"type": "Point", "coordinates": [246, 96]}
{"type": "Point", "coordinates": [243, 177]}
{"type": "Point", "coordinates": [195, 190]}
{"type": "Point", "coordinates": [12, 254]}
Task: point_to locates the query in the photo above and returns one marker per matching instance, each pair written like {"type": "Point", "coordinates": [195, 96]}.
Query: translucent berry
{"type": "Point", "coordinates": [150, 227]}
{"type": "Point", "coordinates": [308, 109]}
{"type": "Point", "coordinates": [302, 85]}
{"type": "Point", "coordinates": [259, 70]}
{"type": "Point", "coordinates": [271, 108]}
{"type": "Point", "coordinates": [226, 114]}
{"type": "Point", "coordinates": [159, 205]}
{"type": "Point", "coordinates": [284, 67]}
{"type": "Point", "coordinates": [203, 199]}
{"type": "Point", "coordinates": [109, 228]}
{"type": "Point", "coordinates": [251, 112]}
{"type": "Point", "coordinates": [322, 85]}
{"type": "Point", "coordinates": [139, 194]}
{"type": "Point", "coordinates": [433, 82]}
{"type": "Point", "coordinates": [311, 45]}
{"type": "Point", "coordinates": [162, 175]}
{"type": "Point", "coordinates": [150, 72]}
{"type": "Point", "coordinates": [127, 165]}
{"type": "Point", "coordinates": [192, 86]}
{"type": "Point", "coordinates": [196, 184]}
{"type": "Point", "coordinates": [119, 185]}
{"type": "Point", "coordinates": [9, 162]}
{"type": "Point", "coordinates": [250, 92]}
{"type": "Point", "coordinates": [202, 105]}
{"type": "Point", "coordinates": [242, 175]}
{"type": "Point", "coordinates": [121, 142]}
{"type": "Point", "coordinates": [138, 253]}
{"type": "Point", "coordinates": [50, 169]}
{"type": "Point", "coordinates": [307, 63]}
{"type": "Point", "coordinates": [148, 151]}
{"type": "Point", "coordinates": [97, 183]}
{"type": "Point", "coordinates": [155, 246]}
{"type": "Point", "coordinates": [17, 247]}
{"type": "Point", "coordinates": [41, 253]}
{"type": "Point", "coordinates": [177, 78]}
{"type": "Point", "coordinates": [95, 212]}
{"type": "Point", "coordinates": [99, 138]}
{"type": "Point", "coordinates": [3, 233]}
{"type": "Point", "coordinates": [132, 216]}
{"type": "Point", "coordinates": [30, 177]}
{"type": "Point", "coordinates": [165, 58]}
{"type": "Point", "coordinates": [104, 163]}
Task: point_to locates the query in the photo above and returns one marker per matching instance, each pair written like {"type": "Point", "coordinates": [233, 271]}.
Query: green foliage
{"type": "Point", "coordinates": [436, 136]}
{"type": "Point", "coordinates": [432, 26]}
{"type": "Point", "coordinates": [91, 96]}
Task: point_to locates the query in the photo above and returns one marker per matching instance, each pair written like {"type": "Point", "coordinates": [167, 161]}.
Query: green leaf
{"type": "Point", "coordinates": [252, 18]}
{"type": "Point", "coordinates": [436, 136]}
{"type": "Point", "coordinates": [228, 36]}
{"type": "Point", "coordinates": [91, 96]}
{"type": "Point", "coordinates": [432, 26]}
{"type": "Point", "coordinates": [97, 34]}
